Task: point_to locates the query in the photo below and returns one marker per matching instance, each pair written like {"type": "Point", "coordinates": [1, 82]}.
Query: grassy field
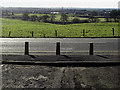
{"type": "Point", "coordinates": [21, 28]}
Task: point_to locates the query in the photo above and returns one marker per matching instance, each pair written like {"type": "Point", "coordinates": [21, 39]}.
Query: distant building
{"type": "Point", "coordinates": [54, 12]}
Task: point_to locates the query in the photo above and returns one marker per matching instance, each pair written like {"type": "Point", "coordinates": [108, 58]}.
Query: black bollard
{"type": "Point", "coordinates": [26, 48]}
{"type": "Point", "coordinates": [58, 48]}
{"type": "Point", "coordinates": [91, 49]}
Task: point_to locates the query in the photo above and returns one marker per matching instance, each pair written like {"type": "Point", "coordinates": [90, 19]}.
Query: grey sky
{"type": "Point", "coordinates": [61, 3]}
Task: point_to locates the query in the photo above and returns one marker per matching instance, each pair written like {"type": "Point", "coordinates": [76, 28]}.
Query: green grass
{"type": "Point", "coordinates": [21, 28]}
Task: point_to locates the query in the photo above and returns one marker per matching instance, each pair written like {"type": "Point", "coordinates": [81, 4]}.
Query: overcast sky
{"type": "Point", "coordinates": [61, 3]}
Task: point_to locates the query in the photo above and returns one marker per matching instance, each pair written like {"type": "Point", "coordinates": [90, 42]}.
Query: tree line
{"type": "Point", "coordinates": [45, 18]}
{"type": "Point", "coordinates": [113, 16]}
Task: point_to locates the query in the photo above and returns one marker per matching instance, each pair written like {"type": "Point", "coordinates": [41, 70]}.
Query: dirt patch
{"type": "Point", "coordinates": [36, 76]}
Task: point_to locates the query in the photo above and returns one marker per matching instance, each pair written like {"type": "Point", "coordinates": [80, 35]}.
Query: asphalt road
{"type": "Point", "coordinates": [69, 46]}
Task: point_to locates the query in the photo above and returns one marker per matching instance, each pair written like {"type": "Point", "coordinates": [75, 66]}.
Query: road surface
{"type": "Point", "coordinates": [69, 46]}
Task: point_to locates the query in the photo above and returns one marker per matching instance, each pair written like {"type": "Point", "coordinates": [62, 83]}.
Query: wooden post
{"type": "Point", "coordinates": [91, 49]}
{"type": "Point", "coordinates": [83, 32]}
{"type": "Point", "coordinates": [32, 33]}
{"type": "Point", "coordinates": [44, 35]}
{"type": "Point", "coordinates": [55, 33]}
{"type": "Point", "coordinates": [26, 48]}
{"type": "Point", "coordinates": [9, 33]}
{"type": "Point", "coordinates": [58, 48]}
{"type": "Point", "coordinates": [113, 31]}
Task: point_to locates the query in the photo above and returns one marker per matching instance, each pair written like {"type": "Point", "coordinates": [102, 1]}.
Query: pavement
{"type": "Point", "coordinates": [68, 46]}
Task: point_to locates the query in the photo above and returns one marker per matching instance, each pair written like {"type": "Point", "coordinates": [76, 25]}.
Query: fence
{"type": "Point", "coordinates": [57, 34]}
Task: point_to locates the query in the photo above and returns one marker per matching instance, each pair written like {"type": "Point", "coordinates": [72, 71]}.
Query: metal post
{"type": "Point", "coordinates": [32, 33]}
{"type": "Point", "coordinates": [83, 32]}
{"type": "Point", "coordinates": [26, 48]}
{"type": "Point", "coordinates": [91, 49]}
{"type": "Point", "coordinates": [113, 31]}
{"type": "Point", "coordinates": [58, 48]}
{"type": "Point", "coordinates": [55, 33]}
{"type": "Point", "coordinates": [9, 33]}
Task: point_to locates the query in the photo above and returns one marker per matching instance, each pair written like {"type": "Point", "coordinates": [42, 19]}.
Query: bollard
{"type": "Point", "coordinates": [91, 49]}
{"type": "Point", "coordinates": [9, 33]}
{"type": "Point", "coordinates": [58, 48]}
{"type": "Point", "coordinates": [26, 48]}
{"type": "Point", "coordinates": [83, 32]}
{"type": "Point", "coordinates": [113, 31]}
{"type": "Point", "coordinates": [32, 33]}
{"type": "Point", "coordinates": [55, 33]}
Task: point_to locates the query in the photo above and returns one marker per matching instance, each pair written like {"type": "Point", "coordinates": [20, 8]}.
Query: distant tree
{"type": "Point", "coordinates": [64, 18]}
{"type": "Point", "coordinates": [33, 18]}
{"type": "Point", "coordinates": [12, 13]}
{"type": "Point", "coordinates": [93, 19]}
{"type": "Point", "coordinates": [39, 18]}
{"type": "Point", "coordinates": [5, 13]}
{"type": "Point", "coordinates": [108, 19]}
{"type": "Point", "coordinates": [76, 20]}
{"type": "Point", "coordinates": [92, 13]}
{"type": "Point", "coordinates": [114, 15]}
{"type": "Point", "coordinates": [25, 16]}
{"type": "Point", "coordinates": [45, 18]}
{"type": "Point", "coordinates": [52, 17]}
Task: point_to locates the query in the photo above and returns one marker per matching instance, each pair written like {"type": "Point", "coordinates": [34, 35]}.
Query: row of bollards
{"type": "Point", "coordinates": [57, 48]}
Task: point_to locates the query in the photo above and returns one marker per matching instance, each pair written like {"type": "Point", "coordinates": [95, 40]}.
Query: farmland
{"type": "Point", "coordinates": [19, 28]}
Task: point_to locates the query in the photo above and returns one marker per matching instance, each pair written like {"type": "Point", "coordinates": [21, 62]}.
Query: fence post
{"type": "Point", "coordinates": [113, 31]}
{"type": "Point", "coordinates": [32, 33]}
{"type": "Point", "coordinates": [58, 48]}
{"type": "Point", "coordinates": [26, 48]}
{"type": "Point", "coordinates": [9, 33]}
{"type": "Point", "coordinates": [55, 33]}
{"type": "Point", "coordinates": [44, 35]}
{"type": "Point", "coordinates": [83, 32]}
{"type": "Point", "coordinates": [91, 49]}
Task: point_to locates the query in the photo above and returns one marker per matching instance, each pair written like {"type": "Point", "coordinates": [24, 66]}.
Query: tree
{"type": "Point", "coordinates": [92, 13]}
{"type": "Point", "coordinates": [64, 18]}
{"type": "Point", "coordinates": [25, 16]}
{"type": "Point", "coordinates": [39, 19]}
{"type": "Point", "coordinates": [52, 17]}
{"type": "Point", "coordinates": [108, 19]}
{"type": "Point", "coordinates": [93, 19]}
{"type": "Point", "coordinates": [76, 20]}
{"type": "Point", "coordinates": [33, 18]}
{"type": "Point", "coordinates": [12, 14]}
{"type": "Point", "coordinates": [44, 18]}
{"type": "Point", "coordinates": [114, 15]}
